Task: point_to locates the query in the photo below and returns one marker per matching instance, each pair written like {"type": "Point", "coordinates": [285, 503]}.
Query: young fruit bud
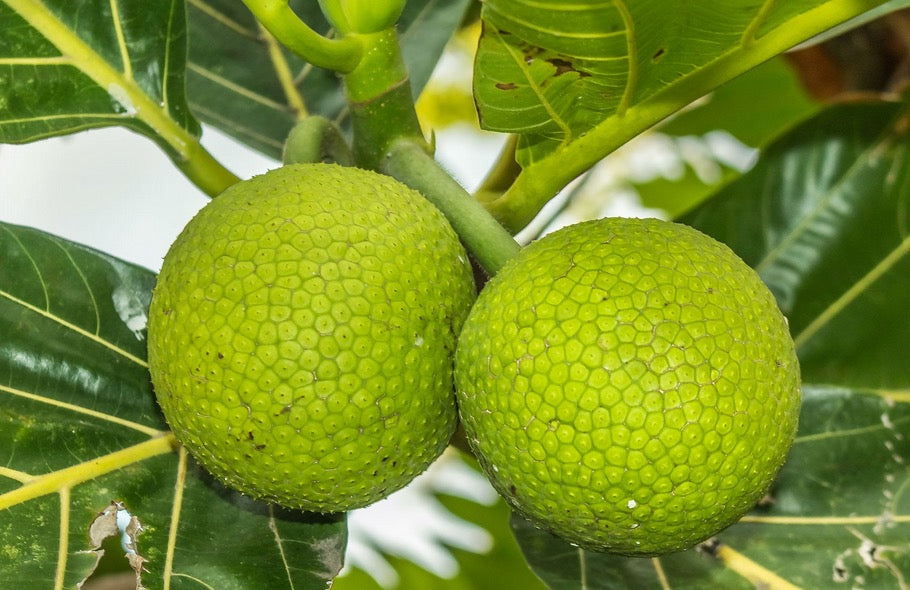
{"type": "Point", "coordinates": [362, 16]}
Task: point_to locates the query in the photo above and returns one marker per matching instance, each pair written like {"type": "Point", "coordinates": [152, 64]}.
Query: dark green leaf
{"type": "Point", "coordinates": [81, 438]}
{"type": "Point", "coordinates": [66, 67]}
{"type": "Point", "coordinates": [754, 108]}
{"type": "Point", "coordinates": [824, 218]}
{"type": "Point", "coordinates": [236, 83]}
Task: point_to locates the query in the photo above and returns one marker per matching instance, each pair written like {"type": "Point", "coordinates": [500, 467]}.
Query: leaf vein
{"type": "Point", "coordinates": [538, 92]}
{"type": "Point", "coordinates": [71, 326]}
{"type": "Point", "coordinates": [748, 36]}
{"type": "Point", "coordinates": [68, 477]}
{"type": "Point", "coordinates": [121, 40]}
{"type": "Point", "coordinates": [34, 264]}
{"type": "Point", "coordinates": [176, 511]}
{"type": "Point", "coordinates": [81, 410]}
{"type": "Point", "coordinates": [88, 287]}
{"type": "Point", "coordinates": [63, 540]}
{"type": "Point", "coordinates": [236, 88]}
{"type": "Point", "coordinates": [223, 19]}
{"type": "Point", "coordinates": [273, 526]}
{"type": "Point", "coordinates": [854, 292]}
{"type": "Point", "coordinates": [632, 50]}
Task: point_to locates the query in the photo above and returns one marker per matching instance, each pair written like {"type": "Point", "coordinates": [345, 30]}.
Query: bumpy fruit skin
{"type": "Point", "coordinates": [301, 336]}
{"type": "Point", "coordinates": [629, 385]}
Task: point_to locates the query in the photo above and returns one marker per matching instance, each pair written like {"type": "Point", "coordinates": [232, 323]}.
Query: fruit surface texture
{"type": "Point", "coordinates": [302, 332]}
{"type": "Point", "coordinates": [629, 385]}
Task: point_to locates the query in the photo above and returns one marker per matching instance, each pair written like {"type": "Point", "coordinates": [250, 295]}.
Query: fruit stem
{"type": "Point", "coordinates": [379, 94]}
{"type": "Point", "coordinates": [204, 170]}
{"type": "Point", "coordinates": [504, 171]}
{"type": "Point", "coordinates": [341, 55]}
{"type": "Point", "coordinates": [483, 236]}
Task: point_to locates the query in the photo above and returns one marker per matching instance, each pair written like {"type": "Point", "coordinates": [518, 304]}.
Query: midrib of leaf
{"type": "Point", "coordinates": [82, 410]}
{"type": "Point", "coordinates": [119, 84]}
{"type": "Point", "coordinates": [544, 178]}
{"type": "Point", "coordinates": [70, 326]}
{"type": "Point", "coordinates": [48, 483]}
{"type": "Point", "coordinates": [824, 520]}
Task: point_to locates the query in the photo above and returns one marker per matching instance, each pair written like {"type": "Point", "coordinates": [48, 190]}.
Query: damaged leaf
{"type": "Point", "coordinates": [577, 80]}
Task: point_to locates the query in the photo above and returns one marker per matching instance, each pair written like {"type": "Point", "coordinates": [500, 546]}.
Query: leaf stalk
{"type": "Point", "coordinates": [341, 55]}
{"type": "Point", "coordinates": [483, 236]}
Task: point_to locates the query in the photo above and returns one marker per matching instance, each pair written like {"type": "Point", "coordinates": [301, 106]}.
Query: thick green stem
{"type": "Point", "coordinates": [379, 93]}
{"type": "Point", "coordinates": [205, 171]}
{"type": "Point", "coordinates": [488, 241]}
{"type": "Point", "coordinates": [340, 55]}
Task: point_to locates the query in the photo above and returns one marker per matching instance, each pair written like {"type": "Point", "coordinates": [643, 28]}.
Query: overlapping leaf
{"type": "Point", "coordinates": [81, 439]}
{"type": "Point", "coordinates": [824, 218]}
{"type": "Point", "coordinates": [65, 67]}
{"type": "Point", "coordinates": [242, 83]}
{"type": "Point", "coordinates": [578, 79]}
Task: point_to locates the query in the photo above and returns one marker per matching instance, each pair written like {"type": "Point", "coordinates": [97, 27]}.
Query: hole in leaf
{"type": "Point", "coordinates": [112, 535]}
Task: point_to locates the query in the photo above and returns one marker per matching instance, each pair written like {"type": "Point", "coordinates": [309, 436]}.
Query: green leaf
{"type": "Point", "coordinates": [823, 216]}
{"type": "Point", "coordinates": [65, 68]}
{"type": "Point", "coordinates": [754, 108]}
{"type": "Point", "coordinates": [241, 82]}
{"type": "Point", "coordinates": [577, 80]}
{"type": "Point", "coordinates": [81, 439]}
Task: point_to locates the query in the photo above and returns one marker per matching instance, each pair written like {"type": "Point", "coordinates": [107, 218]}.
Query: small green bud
{"type": "Point", "coordinates": [362, 16]}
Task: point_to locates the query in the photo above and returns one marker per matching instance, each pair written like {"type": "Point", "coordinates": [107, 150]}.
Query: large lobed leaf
{"type": "Point", "coordinates": [576, 79]}
{"type": "Point", "coordinates": [82, 441]}
{"type": "Point", "coordinates": [825, 219]}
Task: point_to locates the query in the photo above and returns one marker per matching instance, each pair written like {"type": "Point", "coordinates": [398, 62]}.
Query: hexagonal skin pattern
{"type": "Point", "coordinates": [302, 333]}
{"type": "Point", "coordinates": [629, 385]}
